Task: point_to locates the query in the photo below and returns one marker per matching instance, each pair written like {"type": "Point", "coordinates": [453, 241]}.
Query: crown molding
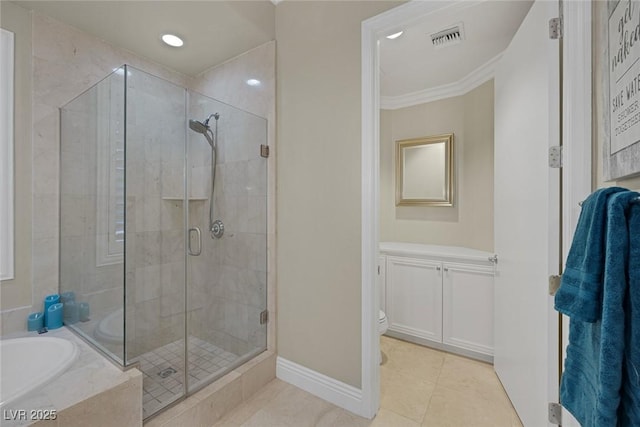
{"type": "Point", "coordinates": [480, 75]}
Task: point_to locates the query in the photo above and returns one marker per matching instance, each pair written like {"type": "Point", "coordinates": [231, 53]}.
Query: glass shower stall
{"type": "Point", "coordinates": [163, 231]}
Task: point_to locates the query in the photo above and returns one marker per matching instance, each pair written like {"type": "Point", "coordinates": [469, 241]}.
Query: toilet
{"type": "Point", "coordinates": [383, 325]}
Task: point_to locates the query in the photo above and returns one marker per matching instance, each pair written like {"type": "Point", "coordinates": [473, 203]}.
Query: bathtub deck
{"type": "Point", "coordinates": [84, 382]}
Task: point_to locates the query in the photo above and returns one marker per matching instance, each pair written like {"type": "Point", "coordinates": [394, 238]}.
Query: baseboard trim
{"type": "Point", "coordinates": [327, 388]}
{"type": "Point", "coordinates": [441, 346]}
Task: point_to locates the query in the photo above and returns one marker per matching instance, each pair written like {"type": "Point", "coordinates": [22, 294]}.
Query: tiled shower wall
{"type": "Point", "coordinates": [155, 225]}
{"type": "Point", "coordinates": [227, 83]}
{"type": "Point", "coordinates": [228, 281]}
{"type": "Point", "coordinates": [66, 63]}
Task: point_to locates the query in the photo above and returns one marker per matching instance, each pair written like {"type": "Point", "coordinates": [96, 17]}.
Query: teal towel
{"type": "Point", "coordinates": [629, 412]}
{"type": "Point", "coordinates": [580, 293]}
{"type": "Point", "coordinates": [592, 380]}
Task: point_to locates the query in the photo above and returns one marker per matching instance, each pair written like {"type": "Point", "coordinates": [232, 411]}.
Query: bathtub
{"type": "Point", "coordinates": [110, 330]}
{"type": "Point", "coordinates": [28, 363]}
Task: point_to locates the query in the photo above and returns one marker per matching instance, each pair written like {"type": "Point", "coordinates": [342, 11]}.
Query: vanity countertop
{"type": "Point", "coordinates": [433, 251]}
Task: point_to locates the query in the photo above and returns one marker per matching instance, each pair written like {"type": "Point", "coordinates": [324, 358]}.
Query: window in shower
{"type": "Point", "coordinates": [6, 155]}
{"type": "Point", "coordinates": [110, 177]}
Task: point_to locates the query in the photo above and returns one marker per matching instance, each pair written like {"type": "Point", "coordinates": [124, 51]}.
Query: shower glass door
{"type": "Point", "coordinates": [155, 243]}
{"type": "Point", "coordinates": [92, 204]}
{"type": "Point", "coordinates": [227, 273]}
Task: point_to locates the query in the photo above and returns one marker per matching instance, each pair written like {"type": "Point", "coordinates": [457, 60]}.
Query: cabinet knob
{"type": "Point", "coordinates": [438, 268]}
{"type": "Point", "coordinates": [446, 269]}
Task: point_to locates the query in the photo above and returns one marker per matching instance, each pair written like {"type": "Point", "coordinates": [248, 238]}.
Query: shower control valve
{"type": "Point", "coordinates": [217, 229]}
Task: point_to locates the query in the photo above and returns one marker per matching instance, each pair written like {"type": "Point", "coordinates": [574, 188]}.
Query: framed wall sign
{"type": "Point", "coordinates": [622, 148]}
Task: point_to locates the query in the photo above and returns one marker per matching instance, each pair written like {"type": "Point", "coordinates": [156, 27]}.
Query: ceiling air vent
{"type": "Point", "coordinates": [448, 37]}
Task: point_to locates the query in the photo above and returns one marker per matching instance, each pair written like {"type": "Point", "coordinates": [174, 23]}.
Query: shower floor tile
{"type": "Point", "coordinates": [205, 361]}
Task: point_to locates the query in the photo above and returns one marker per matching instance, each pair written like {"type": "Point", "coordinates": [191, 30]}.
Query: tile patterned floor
{"type": "Point", "coordinates": [163, 371]}
{"type": "Point", "coordinates": [419, 387]}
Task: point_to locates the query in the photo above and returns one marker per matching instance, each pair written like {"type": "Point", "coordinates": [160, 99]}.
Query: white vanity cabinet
{"type": "Point", "coordinates": [467, 306]}
{"type": "Point", "coordinates": [414, 297]}
{"type": "Point", "coordinates": [440, 296]}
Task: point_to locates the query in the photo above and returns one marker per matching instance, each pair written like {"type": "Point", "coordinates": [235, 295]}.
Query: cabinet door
{"type": "Point", "coordinates": [382, 268]}
{"type": "Point", "coordinates": [468, 307]}
{"type": "Point", "coordinates": [414, 297]}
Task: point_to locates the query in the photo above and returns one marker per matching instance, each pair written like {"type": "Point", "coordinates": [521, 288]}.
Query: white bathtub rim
{"type": "Point", "coordinates": [70, 350]}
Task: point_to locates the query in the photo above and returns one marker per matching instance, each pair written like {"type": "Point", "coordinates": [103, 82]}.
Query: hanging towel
{"type": "Point", "coordinates": [629, 412]}
{"type": "Point", "coordinates": [591, 382]}
{"type": "Point", "coordinates": [580, 293]}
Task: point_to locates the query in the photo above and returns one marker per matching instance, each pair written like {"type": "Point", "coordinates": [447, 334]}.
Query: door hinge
{"type": "Point", "coordinates": [264, 317]}
{"type": "Point", "coordinates": [555, 28]}
{"type": "Point", "coordinates": [264, 150]}
{"type": "Point", "coordinates": [555, 413]}
{"type": "Point", "coordinates": [554, 284]}
{"type": "Point", "coordinates": [555, 156]}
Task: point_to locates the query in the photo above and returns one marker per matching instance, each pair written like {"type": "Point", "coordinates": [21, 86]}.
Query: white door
{"type": "Point", "coordinates": [414, 297]}
{"type": "Point", "coordinates": [526, 215]}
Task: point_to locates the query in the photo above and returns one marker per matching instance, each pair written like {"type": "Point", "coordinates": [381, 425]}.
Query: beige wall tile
{"type": "Point", "coordinates": [218, 403]}
{"type": "Point", "coordinates": [120, 406]}
{"type": "Point", "coordinates": [164, 419]}
{"type": "Point", "coordinates": [15, 319]}
{"type": "Point", "coordinates": [255, 377]}
{"type": "Point", "coordinates": [259, 400]}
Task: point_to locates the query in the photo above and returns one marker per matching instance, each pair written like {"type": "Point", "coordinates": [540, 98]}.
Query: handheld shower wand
{"type": "Point", "coordinates": [216, 228]}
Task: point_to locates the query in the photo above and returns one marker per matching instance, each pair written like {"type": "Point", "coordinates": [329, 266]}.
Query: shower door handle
{"type": "Point", "coordinates": [199, 238]}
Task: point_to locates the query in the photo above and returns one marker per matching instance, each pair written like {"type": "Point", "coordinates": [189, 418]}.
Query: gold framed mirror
{"type": "Point", "coordinates": [424, 171]}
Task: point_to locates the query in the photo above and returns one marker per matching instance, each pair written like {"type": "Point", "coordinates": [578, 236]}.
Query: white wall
{"type": "Point", "coordinates": [469, 222]}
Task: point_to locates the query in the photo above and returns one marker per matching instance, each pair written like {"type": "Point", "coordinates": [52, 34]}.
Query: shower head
{"type": "Point", "coordinates": [202, 128]}
{"type": "Point", "coordinates": [198, 126]}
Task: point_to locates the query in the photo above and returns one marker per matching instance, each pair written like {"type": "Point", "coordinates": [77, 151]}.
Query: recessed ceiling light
{"type": "Point", "coordinates": [253, 82]}
{"type": "Point", "coordinates": [120, 71]}
{"type": "Point", "coordinates": [395, 35]}
{"type": "Point", "coordinates": [172, 40]}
